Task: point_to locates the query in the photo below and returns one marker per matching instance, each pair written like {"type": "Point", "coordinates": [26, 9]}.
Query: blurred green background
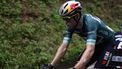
{"type": "Point", "coordinates": [31, 30]}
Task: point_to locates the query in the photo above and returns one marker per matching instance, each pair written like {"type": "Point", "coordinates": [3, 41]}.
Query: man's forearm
{"type": "Point", "coordinates": [85, 58]}
{"type": "Point", "coordinates": [59, 55]}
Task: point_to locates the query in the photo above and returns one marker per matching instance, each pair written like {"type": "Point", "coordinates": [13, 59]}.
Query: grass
{"type": "Point", "coordinates": [31, 31]}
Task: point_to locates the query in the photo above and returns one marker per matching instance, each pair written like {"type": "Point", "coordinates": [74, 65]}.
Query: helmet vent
{"type": "Point", "coordinates": [61, 11]}
{"type": "Point", "coordinates": [76, 4]}
{"type": "Point", "coordinates": [65, 5]}
{"type": "Point", "coordinates": [66, 11]}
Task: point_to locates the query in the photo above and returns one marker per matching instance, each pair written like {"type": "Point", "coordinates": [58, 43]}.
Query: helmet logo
{"type": "Point", "coordinates": [72, 6]}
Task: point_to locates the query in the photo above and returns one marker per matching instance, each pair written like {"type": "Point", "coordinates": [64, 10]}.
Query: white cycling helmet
{"type": "Point", "coordinates": [70, 8]}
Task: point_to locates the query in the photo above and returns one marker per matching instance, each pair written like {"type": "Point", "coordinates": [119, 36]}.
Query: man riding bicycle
{"type": "Point", "coordinates": [92, 29]}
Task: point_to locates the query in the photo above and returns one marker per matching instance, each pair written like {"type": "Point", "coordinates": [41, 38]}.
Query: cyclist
{"type": "Point", "coordinates": [93, 30]}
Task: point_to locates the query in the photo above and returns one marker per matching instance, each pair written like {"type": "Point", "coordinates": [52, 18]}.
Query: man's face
{"type": "Point", "coordinates": [72, 22]}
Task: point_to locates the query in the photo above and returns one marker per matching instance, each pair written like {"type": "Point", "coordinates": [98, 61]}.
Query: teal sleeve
{"type": "Point", "coordinates": [92, 26]}
{"type": "Point", "coordinates": [67, 36]}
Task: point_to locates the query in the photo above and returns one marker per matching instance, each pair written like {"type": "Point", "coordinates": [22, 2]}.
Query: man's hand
{"type": "Point", "coordinates": [47, 66]}
{"type": "Point", "coordinates": [72, 68]}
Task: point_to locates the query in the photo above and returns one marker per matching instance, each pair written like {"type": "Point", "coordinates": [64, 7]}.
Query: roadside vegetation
{"type": "Point", "coordinates": [31, 30]}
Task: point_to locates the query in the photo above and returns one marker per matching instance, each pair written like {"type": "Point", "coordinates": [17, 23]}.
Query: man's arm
{"type": "Point", "coordinates": [60, 53]}
{"type": "Point", "coordinates": [63, 47]}
{"type": "Point", "coordinates": [85, 57]}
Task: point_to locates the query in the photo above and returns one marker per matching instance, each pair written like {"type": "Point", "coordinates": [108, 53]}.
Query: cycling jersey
{"type": "Point", "coordinates": [94, 31]}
